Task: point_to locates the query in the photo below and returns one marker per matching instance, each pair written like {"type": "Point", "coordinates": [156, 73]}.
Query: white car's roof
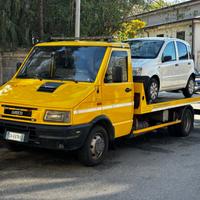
{"type": "Point", "coordinates": [166, 39]}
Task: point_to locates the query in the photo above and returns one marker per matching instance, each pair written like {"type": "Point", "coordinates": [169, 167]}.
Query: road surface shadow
{"type": "Point", "coordinates": [153, 142]}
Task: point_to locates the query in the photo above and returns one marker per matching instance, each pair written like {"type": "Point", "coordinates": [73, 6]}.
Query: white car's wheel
{"type": "Point", "coordinates": [189, 90]}
{"type": "Point", "coordinates": [152, 91]}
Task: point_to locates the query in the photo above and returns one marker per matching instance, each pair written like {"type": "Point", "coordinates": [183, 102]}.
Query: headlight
{"type": "Point", "coordinates": [137, 71]}
{"type": "Point", "coordinates": [57, 116]}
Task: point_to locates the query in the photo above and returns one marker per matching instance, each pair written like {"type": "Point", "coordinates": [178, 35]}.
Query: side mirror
{"type": "Point", "coordinates": [117, 74]}
{"type": "Point", "coordinates": [167, 58]}
{"type": "Point", "coordinates": [18, 65]}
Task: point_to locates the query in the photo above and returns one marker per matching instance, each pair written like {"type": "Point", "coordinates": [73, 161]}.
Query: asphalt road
{"type": "Point", "coordinates": [152, 167]}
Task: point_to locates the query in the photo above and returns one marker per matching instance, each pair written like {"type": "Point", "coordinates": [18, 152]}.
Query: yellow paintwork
{"type": "Point", "coordinates": [152, 128]}
{"type": "Point", "coordinates": [84, 101]}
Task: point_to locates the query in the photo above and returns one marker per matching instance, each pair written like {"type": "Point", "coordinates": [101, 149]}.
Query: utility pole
{"type": "Point", "coordinates": [77, 18]}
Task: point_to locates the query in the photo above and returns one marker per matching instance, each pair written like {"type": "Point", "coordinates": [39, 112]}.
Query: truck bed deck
{"type": "Point", "coordinates": [166, 100]}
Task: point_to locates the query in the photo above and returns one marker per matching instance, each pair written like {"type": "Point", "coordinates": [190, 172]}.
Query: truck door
{"type": "Point", "coordinates": [117, 92]}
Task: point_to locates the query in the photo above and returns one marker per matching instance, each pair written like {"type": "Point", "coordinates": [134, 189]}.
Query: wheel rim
{"type": "Point", "coordinates": [97, 146]}
{"type": "Point", "coordinates": [154, 91]}
{"type": "Point", "coordinates": [191, 86]}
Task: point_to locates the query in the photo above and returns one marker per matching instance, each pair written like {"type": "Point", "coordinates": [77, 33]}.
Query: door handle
{"type": "Point", "coordinates": [128, 90]}
{"type": "Point", "coordinates": [189, 63]}
{"type": "Point", "coordinates": [176, 65]}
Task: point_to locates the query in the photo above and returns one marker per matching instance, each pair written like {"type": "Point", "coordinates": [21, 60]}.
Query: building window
{"type": "Point", "coordinates": [180, 35]}
{"type": "Point", "coordinates": [160, 35]}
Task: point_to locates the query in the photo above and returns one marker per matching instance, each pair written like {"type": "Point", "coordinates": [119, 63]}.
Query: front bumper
{"type": "Point", "coordinates": [47, 136]}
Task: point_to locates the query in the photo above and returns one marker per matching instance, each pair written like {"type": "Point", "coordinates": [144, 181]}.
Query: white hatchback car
{"type": "Point", "coordinates": [163, 64]}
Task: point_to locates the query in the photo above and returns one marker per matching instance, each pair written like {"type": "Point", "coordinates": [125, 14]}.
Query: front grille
{"type": "Point", "coordinates": [18, 112]}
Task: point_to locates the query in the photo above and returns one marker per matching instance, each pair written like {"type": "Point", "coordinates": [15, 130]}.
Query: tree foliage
{"type": "Point", "coordinates": [129, 29]}
{"type": "Point", "coordinates": [20, 20]}
{"type": "Point", "coordinates": [15, 22]}
{"type": "Point", "coordinates": [156, 4]}
{"type": "Point", "coordinates": [102, 17]}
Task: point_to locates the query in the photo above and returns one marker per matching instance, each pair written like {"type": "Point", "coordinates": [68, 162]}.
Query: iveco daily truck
{"type": "Point", "coordinates": [80, 95]}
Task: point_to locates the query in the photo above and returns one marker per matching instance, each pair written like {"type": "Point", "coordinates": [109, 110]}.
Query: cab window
{"type": "Point", "coordinates": [117, 68]}
{"type": "Point", "coordinates": [169, 53]}
{"type": "Point", "coordinates": [182, 51]}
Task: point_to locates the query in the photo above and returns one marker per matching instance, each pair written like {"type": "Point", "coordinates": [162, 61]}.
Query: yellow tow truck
{"type": "Point", "coordinates": [80, 95]}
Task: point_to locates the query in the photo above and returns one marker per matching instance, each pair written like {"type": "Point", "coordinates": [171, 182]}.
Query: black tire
{"type": "Point", "coordinates": [185, 127]}
{"type": "Point", "coordinates": [15, 147]}
{"type": "Point", "coordinates": [190, 88]}
{"type": "Point", "coordinates": [91, 154]}
{"type": "Point", "coordinates": [152, 90]}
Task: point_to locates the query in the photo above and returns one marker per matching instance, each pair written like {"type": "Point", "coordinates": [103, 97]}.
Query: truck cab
{"type": "Point", "coordinates": [66, 92]}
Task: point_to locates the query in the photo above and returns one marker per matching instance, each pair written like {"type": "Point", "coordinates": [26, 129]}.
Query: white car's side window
{"type": "Point", "coordinates": [182, 51]}
{"type": "Point", "coordinates": [169, 54]}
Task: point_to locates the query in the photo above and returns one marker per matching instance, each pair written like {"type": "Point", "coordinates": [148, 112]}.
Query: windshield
{"type": "Point", "coordinates": [72, 63]}
{"type": "Point", "coordinates": [146, 49]}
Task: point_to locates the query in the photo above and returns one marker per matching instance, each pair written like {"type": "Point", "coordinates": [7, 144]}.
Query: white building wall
{"type": "Point", "coordinates": [171, 14]}
{"type": "Point", "coordinates": [171, 31]}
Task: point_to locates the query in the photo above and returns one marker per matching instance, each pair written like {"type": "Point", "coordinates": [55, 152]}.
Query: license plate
{"type": "Point", "coordinates": [19, 137]}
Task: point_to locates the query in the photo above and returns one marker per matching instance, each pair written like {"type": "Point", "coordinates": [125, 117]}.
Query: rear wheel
{"type": "Point", "coordinates": [185, 127]}
{"type": "Point", "coordinates": [152, 90]}
{"type": "Point", "coordinates": [189, 90]}
{"type": "Point", "coordinates": [95, 148]}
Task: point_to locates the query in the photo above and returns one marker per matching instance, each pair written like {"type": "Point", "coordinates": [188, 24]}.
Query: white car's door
{"type": "Point", "coordinates": [184, 65]}
{"type": "Point", "coordinates": [167, 67]}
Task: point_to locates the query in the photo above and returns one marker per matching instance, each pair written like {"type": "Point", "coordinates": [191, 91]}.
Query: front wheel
{"type": "Point", "coordinates": [152, 90]}
{"type": "Point", "coordinates": [95, 147]}
{"type": "Point", "coordinates": [189, 90]}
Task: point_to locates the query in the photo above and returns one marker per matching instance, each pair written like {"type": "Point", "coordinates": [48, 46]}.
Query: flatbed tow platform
{"type": "Point", "coordinates": [168, 111]}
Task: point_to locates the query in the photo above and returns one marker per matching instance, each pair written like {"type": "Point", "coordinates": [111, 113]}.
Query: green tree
{"type": "Point", "coordinates": [15, 22]}
{"type": "Point", "coordinates": [156, 4]}
{"type": "Point", "coordinates": [102, 17]}
{"type": "Point", "coordinates": [59, 17]}
{"type": "Point", "coordinates": [129, 29]}
{"type": "Point", "coordinates": [20, 20]}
